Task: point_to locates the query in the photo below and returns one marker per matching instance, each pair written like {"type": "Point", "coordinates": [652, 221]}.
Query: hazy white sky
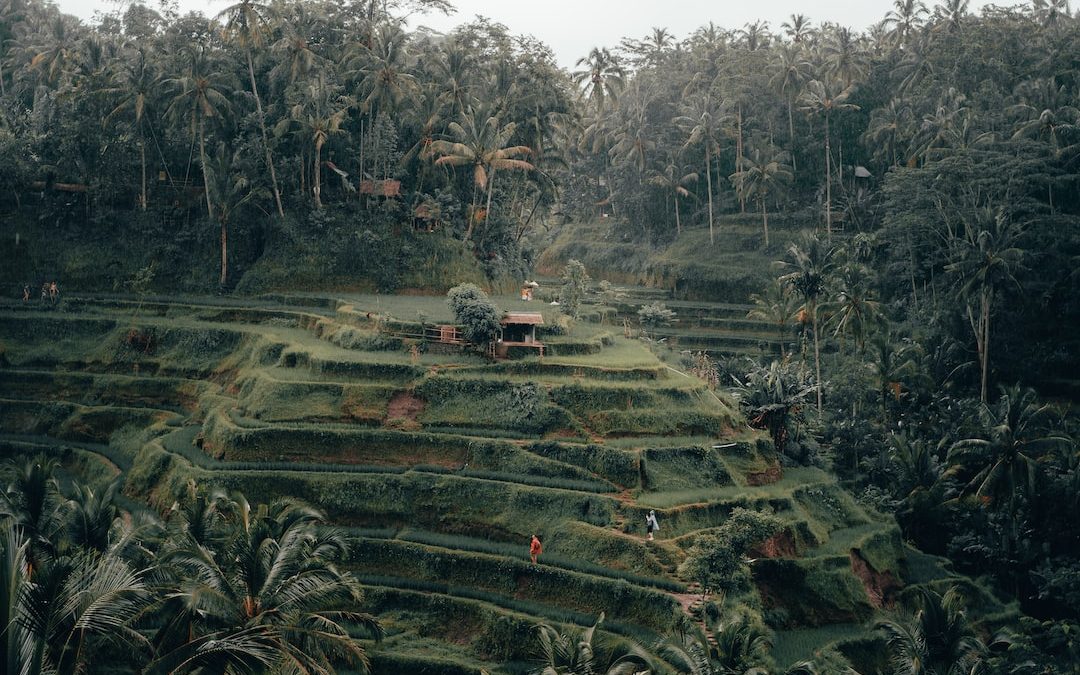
{"type": "Point", "coordinates": [572, 27]}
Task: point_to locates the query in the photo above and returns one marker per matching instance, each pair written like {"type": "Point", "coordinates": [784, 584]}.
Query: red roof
{"type": "Point", "coordinates": [526, 318]}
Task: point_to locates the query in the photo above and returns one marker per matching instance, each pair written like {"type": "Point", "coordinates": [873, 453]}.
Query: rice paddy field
{"type": "Point", "coordinates": [442, 463]}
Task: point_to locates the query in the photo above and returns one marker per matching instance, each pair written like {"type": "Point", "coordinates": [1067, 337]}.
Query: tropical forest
{"type": "Point", "coordinates": [332, 342]}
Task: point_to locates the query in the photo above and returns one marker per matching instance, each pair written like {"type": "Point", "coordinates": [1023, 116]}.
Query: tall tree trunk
{"type": "Point", "coordinates": [678, 223]}
{"type": "Point", "coordinates": [739, 157]}
{"type": "Point", "coordinates": [708, 180]}
{"type": "Point", "coordinates": [791, 132]}
{"type": "Point", "coordinates": [765, 221]}
{"type": "Point", "coordinates": [828, 180]}
{"type": "Point", "coordinates": [985, 343]}
{"type": "Point", "coordinates": [202, 162]}
{"type": "Point", "coordinates": [491, 188]}
{"type": "Point", "coordinates": [142, 161]}
{"type": "Point", "coordinates": [317, 175]}
{"type": "Point", "coordinates": [224, 252]}
{"type": "Point", "coordinates": [817, 352]}
{"type": "Point", "coordinates": [262, 130]}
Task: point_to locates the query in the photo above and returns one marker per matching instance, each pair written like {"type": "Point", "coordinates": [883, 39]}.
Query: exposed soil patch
{"type": "Point", "coordinates": [404, 406]}
{"type": "Point", "coordinates": [780, 545]}
{"type": "Point", "coordinates": [767, 477]}
{"type": "Point", "coordinates": [881, 587]}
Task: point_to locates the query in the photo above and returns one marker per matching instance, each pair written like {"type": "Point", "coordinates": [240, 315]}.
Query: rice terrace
{"type": "Point", "coordinates": [334, 342]}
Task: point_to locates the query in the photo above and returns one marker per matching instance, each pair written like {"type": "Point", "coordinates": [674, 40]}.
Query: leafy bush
{"type": "Point", "coordinates": [656, 315]}
{"type": "Point", "coordinates": [478, 316]}
{"type": "Point", "coordinates": [715, 560]}
{"type": "Point", "coordinates": [575, 285]}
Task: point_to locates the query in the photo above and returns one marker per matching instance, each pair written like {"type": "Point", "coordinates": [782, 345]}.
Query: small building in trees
{"type": "Point", "coordinates": [518, 329]}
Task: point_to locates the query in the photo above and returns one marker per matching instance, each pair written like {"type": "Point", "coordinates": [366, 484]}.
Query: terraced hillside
{"type": "Point", "coordinates": [442, 464]}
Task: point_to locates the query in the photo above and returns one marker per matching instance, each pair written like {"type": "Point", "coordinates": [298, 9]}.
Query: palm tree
{"type": "Point", "coordinates": [601, 79]}
{"type": "Point", "coordinates": [985, 257]}
{"type": "Point", "coordinates": [30, 501]}
{"type": "Point", "coordinates": [892, 364]}
{"type": "Point", "coordinates": [826, 100]}
{"type": "Point", "coordinates": [671, 179]}
{"type": "Point", "coordinates": [854, 311]}
{"type": "Point", "coordinates": [732, 647]}
{"type": "Point", "coordinates": [583, 653]}
{"type": "Point", "coordinates": [135, 82]}
{"type": "Point", "coordinates": [700, 119]}
{"type": "Point", "coordinates": [763, 177]}
{"type": "Point", "coordinates": [201, 93]}
{"type": "Point", "coordinates": [248, 22]}
{"type": "Point", "coordinates": [845, 58]}
{"type": "Point", "coordinates": [950, 15]}
{"type": "Point", "coordinates": [810, 264]}
{"type": "Point", "coordinates": [482, 142]}
{"type": "Point", "coordinates": [384, 78]}
{"type": "Point", "coordinates": [1002, 461]}
{"type": "Point", "coordinates": [454, 68]}
{"type": "Point", "coordinates": [777, 307]}
{"type": "Point", "coordinates": [754, 36]}
{"type": "Point", "coordinates": [317, 119]}
{"type": "Point", "coordinates": [297, 60]}
{"type": "Point", "coordinates": [266, 592]}
{"type": "Point", "coordinates": [905, 18]}
{"type": "Point", "coordinates": [798, 28]}
{"type": "Point", "coordinates": [938, 639]}
{"type": "Point", "coordinates": [888, 125]}
{"type": "Point", "coordinates": [1046, 112]}
{"type": "Point", "coordinates": [792, 72]}
{"type": "Point", "coordinates": [773, 397]}
{"type": "Point", "coordinates": [231, 190]}
{"type": "Point", "coordinates": [1051, 13]}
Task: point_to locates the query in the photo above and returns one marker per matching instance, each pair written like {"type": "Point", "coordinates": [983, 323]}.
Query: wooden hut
{"type": "Point", "coordinates": [519, 330]}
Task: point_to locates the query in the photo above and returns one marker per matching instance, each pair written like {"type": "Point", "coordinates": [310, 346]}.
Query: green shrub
{"type": "Point", "coordinates": [575, 285]}
{"type": "Point", "coordinates": [477, 315]}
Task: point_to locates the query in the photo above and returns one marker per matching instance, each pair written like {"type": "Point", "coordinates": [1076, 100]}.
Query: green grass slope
{"type": "Point", "coordinates": [442, 463]}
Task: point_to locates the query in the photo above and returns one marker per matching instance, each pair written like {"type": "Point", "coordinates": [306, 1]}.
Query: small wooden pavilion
{"type": "Point", "coordinates": [519, 330]}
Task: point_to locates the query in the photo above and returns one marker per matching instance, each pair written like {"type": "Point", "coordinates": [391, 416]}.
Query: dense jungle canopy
{"type": "Point", "coordinates": [913, 191]}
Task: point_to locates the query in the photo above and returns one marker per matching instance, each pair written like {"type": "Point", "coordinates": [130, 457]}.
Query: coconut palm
{"type": "Point", "coordinates": [792, 71]}
{"type": "Point", "coordinates": [764, 175]}
{"type": "Point", "coordinates": [297, 59]}
{"type": "Point", "coordinates": [888, 127]}
{"type": "Point", "coordinates": [701, 121]}
{"type": "Point", "coordinates": [985, 257]}
{"type": "Point", "coordinates": [266, 593]}
{"type": "Point", "coordinates": [316, 119]}
{"type": "Point", "coordinates": [938, 639]}
{"type": "Point", "coordinates": [950, 15]}
{"type": "Point", "coordinates": [845, 57]}
{"type": "Point", "coordinates": [893, 363]}
{"type": "Point", "coordinates": [584, 653]}
{"type": "Point", "coordinates": [905, 19]}
{"type": "Point", "coordinates": [673, 179]}
{"type": "Point", "coordinates": [854, 311]}
{"type": "Point", "coordinates": [384, 79]}
{"type": "Point", "coordinates": [202, 93]}
{"type": "Point", "coordinates": [827, 100]}
{"type": "Point", "coordinates": [1002, 460]}
{"type": "Point", "coordinates": [808, 268]}
{"type": "Point", "coordinates": [725, 647]}
{"type": "Point", "coordinates": [134, 83]}
{"type": "Point", "coordinates": [777, 307]}
{"type": "Point", "coordinates": [797, 28]}
{"type": "Point", "coordinates": [231, 190]}
{"type": "Point", "coordinates": [1051, 13]}
{"type": "Point", "coordinates": [248, 22]}
{"type": "Point", "coordinates": [601, 77]}
{"type": "Point", "coordinates": [482, 142]}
